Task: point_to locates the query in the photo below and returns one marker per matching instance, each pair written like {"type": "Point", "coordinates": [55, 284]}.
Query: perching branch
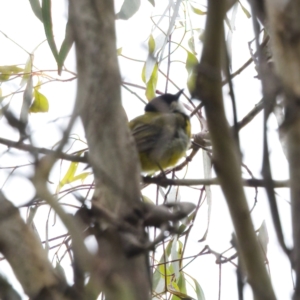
{"type": "Point", "coordinates": [163, 181]}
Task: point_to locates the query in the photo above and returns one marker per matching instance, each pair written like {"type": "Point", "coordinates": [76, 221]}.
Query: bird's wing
{"type": "Point", "coordinates": [150, 132]}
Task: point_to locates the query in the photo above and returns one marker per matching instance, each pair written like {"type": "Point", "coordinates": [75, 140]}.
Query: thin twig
{"type": "Point", "coordinates": [32, 149]}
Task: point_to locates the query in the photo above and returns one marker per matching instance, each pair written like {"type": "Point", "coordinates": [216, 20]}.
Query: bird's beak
{"type": "Point", "coordinates": [179, 93]}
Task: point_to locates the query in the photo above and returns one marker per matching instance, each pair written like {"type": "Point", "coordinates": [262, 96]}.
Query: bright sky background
{"type": "Point", "coordinates": [19, 24]}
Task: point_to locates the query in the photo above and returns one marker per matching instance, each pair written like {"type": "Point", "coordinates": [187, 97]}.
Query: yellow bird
{"type": "Point", "coordinates": [162, 134]}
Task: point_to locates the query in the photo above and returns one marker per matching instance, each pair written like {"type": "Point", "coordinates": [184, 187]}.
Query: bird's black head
{"type": "Point", "coordinates": [165, 103]}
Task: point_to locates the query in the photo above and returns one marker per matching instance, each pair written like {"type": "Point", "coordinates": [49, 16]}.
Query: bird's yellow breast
{"type": "Point", "coordinates": [161, 139]}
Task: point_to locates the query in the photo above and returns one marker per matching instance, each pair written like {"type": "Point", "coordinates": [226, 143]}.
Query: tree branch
{"type": "Point", "coordinates": [37, 150]}
{"type": "Point", "coordinates": [162, 181]}
{"type": "Point", "coordinates": [284, 27]}
{"type": "Point", "coordinates": [26, 256]}
{"type": "Point", "coordinates": [226, 157]}
{"type": "Point", "coordinates": [112, 151]}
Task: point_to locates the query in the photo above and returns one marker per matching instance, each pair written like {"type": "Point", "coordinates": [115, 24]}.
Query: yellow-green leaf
{"type": "Point", "coordinates": [69, 176]}
{"type": "Point", "coordinates": [38, 85]}
{"type": "Point", "coordinates": [13, 69]}
{"type": "Point", "coordinates": [263, 237]}
{"type": "Point", "coordinates": [143, 75]}
{"type": "Point", "coordinates": [160, 271]}
{"type": "Point", "coordinates": [191, 82]}
{"type": "Point", "coordinates": [119, 51]}
{"type": "Point", "coordinates": [228, 23]}
{"type": "Point", "coordinates": [147, 200]}
{"type": "Point", "coordinates": [191, 61]}
{"type": "Point", "coordinates": [174, 290]}
{"type": "Point", "coordinates": [151, 44]}
{"type": "Point", "coordinates": [81, 176]}
{"type": "Point", "coordinates": [246, 12]}
{"type": "Point", "coordinates": [27, 70]}
{"type": "Point", "coordinates": [191, 44]}
{"type": "Point", "coordinates": [181, 282]}
{"type": "Point", "coordinates": [4, 77]}
{"type": "Point", "coordinates": [40, 103]}
{"type": "Point", "coordinates": [197, 10]}
{"type": "Point", "coordinates": [7, 71]}
{"type": "Point", "coordinates": [151, 84]}
{"type": "Point", "coordinates": [175, 257]}
{"type": "Point", "coordinates": [27, 98]}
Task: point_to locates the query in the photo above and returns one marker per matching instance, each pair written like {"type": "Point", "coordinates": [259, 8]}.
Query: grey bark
{"type": "Point", "coordinates": [226, 156]}
{"type": "Point", "coordinates": [26, 256]}
{"type": "Point", "coordinates": [284, 29]}
{"type": "Point", "coordinates": [112, 152]}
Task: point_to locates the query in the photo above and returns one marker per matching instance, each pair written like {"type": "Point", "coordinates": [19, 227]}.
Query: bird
{"type": "Point", "coordinates": [162, 134]}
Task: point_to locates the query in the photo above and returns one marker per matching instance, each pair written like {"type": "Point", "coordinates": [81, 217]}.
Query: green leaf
{"type": "Point", "coordinates": [198, 290]}
{"type": "Point", "coordinates": [40, 103]}
{"type": "Point", "coordinates": [27, 98]}
{"type": "Point", "coordinates": [119, 51]}
{"type": "Point", "coordinates": [81, 176]}
{"type": "Point", "coordinates": [191, 44]}
{"type": "Point", "coordinates": [263, 237]}
{"type": "Point", "coordinates": [191, 62]}
{"type": "Point", "coordinates": [13, 69]}
{"type": "Point", "coordinates": [177, 294]}
{"type": "Point", "coordinates": [27, 70]}
{"type": "Point", "coordinates": [175, 256]}
{"type": "Point", "coordinates": [159, 273]}
{"type": "Point", "coordinates": [246, 12]}
{"type": "Point", "coordinates": [198, 11]}
{"type": "Point", "coordinates": [128, 9]}
{"type": "Point", "coordinates": [4, 77]}
{"type": "Point", "coordinates": [69, 176]}
{"type": "Point", "coordinates": [191, 82]}
{"type": "Point", "coordinates": [181, 229]}
{"type": "Point", "coordinates": [151, 44]}
{"type": "Point", "coordinates": [228, 23]}
{"type": "Point", "coordinates": [143, 75]}
{"type": "Point", "coordinates": [67, 42]}
{"type": "Point", "coordinates": [7, 71]}
{"type": "Point", "coordinates": [147, 200]}
{"type": "Point", "coordinates": [47, 21]}
{"type": "Point", "coordinates": [151, 84]}
{"type": "Point", "coordinates": [181, 282]}
{"type": "Point", "coordinates": [65, 46]}
{"type": "Point", "coordinates": [36, 8]}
